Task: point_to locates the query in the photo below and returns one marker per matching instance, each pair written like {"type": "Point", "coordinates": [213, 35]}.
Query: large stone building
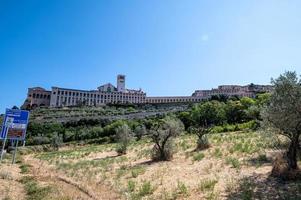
{"type": "Point", "coordinates": [109, 94]}
{"type": "Point", "coordinates": [106, 94]}
{"type": "Point", "coordinates": [234, 90]}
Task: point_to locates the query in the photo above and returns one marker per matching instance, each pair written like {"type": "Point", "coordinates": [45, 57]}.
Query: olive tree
{"type": "Point", "coordinates": [56, 141]}
{"type": "Point", "coordinates": [282, 114]}
{"type": "Point", "coordinates": [162, 135]}
{"type": "Point", "coordinates": [206, 115]}
{"type": "Point", "coordinates": [201, 132]}
{"type": "Point", "coordinates": [123, 138]}
{"type": "Point", "coordinates": [140, 131]}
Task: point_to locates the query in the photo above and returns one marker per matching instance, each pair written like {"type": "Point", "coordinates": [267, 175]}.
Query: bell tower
{"type": "Point", "coordinates": [121, 83]}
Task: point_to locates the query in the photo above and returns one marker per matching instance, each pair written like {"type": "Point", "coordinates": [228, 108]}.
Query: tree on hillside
{"type": "Point", "coordinates": [235, 112]}
{"type": "Point", "coordinates": [247, 102]}
{"type": "Point", "coordinates": [221, 98]}
{"type": "Point", "coordinates": [162, 135]}
{"type": "Point", "coordinates": [140, 131]}
{"type": "Point", "coordinates": [208, 113]}
{"type": "Point", "coordinates": [123, 138]}
{"type": "Point", "coordinates": [262, 99]}
{"type": "Point", "coordinates": [283, 113]}
{"type": "Point", "coordinates": [185, 117]}
{"type": "Point", "coordinates": [201, 132]}
{"type": "Point", "coordinates": [15, 107]}
{"type": "Point", "coordinates": [56, 141]}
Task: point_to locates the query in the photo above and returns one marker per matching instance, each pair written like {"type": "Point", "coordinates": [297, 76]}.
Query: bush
{"type": "Point", "coordinates": [39, 140]}
{"type": "Point", "coordinates": [140, 131]}
{"type": "Point", "coordinates": [198, 156]}
{"type": "Point", "coordinates": [145, 189]}
{"type": "Point", "coordinates": [162, 135]}
{"type": "Point", "coordinates": [33, 190]}
{"type": "Point", "coordinates": [56, 142]}
{"type": "Point", "coordinates": [207, 185]}
{"type": "Point", "coordinates": [202, 142]}
{"type": "Point", "coordinates": [182, 189]}
{"type": "Point", "coordinates": [234, 162]}
{"type": "Point", "coordinates": [110, 129]}
{"type": "Point", "coordinates": [131, 186]}
{"type": "Point", "coordinates": [123, 138]}
{"type": "Point", "coordinates": [251, 125]}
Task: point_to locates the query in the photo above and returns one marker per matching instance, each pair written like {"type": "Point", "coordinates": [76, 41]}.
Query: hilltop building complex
{"type": "Point", "coordinates": [109, 94]}
{"type": "Point", "coordinates": [234, 90]}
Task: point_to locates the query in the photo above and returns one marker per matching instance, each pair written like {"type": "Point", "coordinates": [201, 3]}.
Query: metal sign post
{"type": "Point", "coordinates": [15, 152]}
{"type": "Point", "coordinates": [3, 144]}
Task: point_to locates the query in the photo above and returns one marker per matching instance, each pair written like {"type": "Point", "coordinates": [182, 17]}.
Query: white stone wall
{"type": "Point", "coordinates": [66, 97]}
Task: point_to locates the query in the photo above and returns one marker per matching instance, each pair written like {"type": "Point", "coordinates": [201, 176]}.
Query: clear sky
{"type": "Point", "coordinates": [169, 47]}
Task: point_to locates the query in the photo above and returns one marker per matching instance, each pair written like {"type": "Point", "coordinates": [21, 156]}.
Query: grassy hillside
{"type": "Point", "coordinates": [236, 166]}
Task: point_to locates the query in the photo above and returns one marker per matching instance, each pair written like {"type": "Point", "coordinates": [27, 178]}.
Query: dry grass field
{"type": "Point", "coordinates": [236, 166]}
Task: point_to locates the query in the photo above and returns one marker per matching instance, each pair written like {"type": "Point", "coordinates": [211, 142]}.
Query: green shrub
{"type": "Point", "coordinates": [131, 186]}
{"type": "Point", "coordinates": [24, 168]}
{"type": "Point", "coordinates": [247, 189]}
{"type": "Point", "coordinates": [56, 141]}
{"type": "Point", "coordinates": [136, 171]}
{"type": "Point", "coordinates": [217, 129]}
{"type": "Point", "coordinates": [252, 125]}
{"type": "Point", "coordinates": [123, 138]}
{"type": "Point", "coordinates": [202, 141]}
{"type": "Point", "coordinates": [33, 190]}
{"type": "Point", "coordinates": [145, 189]}
{"type": "Point", "coordinates": [140, 131]}
{"type": "Point", "coordinates": [217, 153]}
{"type": "Point", "coordinates": [182, 189]}
{"type": "Point", "coordinates": [207, 185]}
{"type": "Point", "coordinates": [234, 162]}
{"type": "Point", "coordinates": [198, 156]}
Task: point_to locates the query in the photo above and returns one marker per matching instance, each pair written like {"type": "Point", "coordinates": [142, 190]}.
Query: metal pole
{"type": "Point", "coordinates": [3, 145]}
{"type": "Point", "coordinates": [15, 152]}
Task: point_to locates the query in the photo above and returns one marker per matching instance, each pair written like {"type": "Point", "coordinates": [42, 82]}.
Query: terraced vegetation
{"type": "Point", "coordinates": [50, 115]}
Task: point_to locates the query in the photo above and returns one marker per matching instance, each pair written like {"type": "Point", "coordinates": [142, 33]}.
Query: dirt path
{"type": "Point", "coordinates": [10, 187]}
{"type": "Point", "coordinates": [66, 187]}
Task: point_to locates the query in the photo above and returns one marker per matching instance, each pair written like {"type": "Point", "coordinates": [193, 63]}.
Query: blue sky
{"type": "Point", "coordinates": [169, 47]}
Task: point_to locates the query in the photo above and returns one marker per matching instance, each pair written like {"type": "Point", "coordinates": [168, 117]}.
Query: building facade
{"type": "Point", "coordinates": [234, 90]}
{"type": "Point", "coordinates": [109, 94]}
{"type": "Point", "coordinates": [37, 97]}
{"type": "Point", "coordinates": [61, 97]}
{"type": "Point", "coordinates": [106, 94]}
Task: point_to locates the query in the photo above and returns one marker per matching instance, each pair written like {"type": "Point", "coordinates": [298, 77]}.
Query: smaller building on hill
{"type": "Point", "coordinates": [37, 97]}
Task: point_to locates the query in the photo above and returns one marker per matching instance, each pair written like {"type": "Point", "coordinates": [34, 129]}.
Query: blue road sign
{"type": "Point", "coordinates": [14, 124]}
